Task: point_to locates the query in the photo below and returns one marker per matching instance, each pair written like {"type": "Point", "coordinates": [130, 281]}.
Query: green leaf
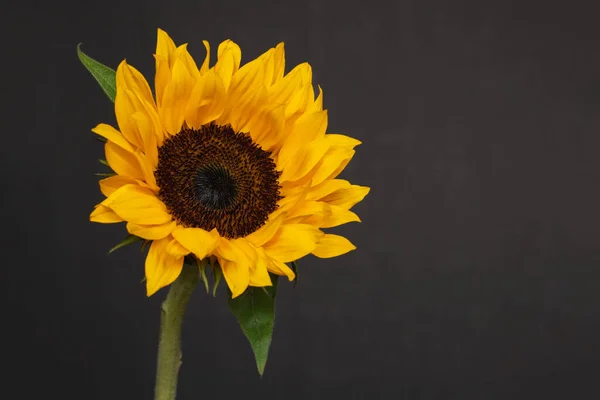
{"type": "Point", "coordinates": [255, 312]}
{"type": "Point", "coordinates": [128, 240]}
{"type": "Point", "coordinates": [105, 76]}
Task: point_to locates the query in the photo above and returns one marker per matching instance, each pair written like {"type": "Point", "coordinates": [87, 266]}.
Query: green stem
{"type": "Point", "coordinates": [169, 344]}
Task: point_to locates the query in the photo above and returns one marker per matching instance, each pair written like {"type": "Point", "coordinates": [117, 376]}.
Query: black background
{"type": "Point", "coordinates": [476, 271]}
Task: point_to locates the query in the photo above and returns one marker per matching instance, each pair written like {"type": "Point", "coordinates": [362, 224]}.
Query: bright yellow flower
{"type": "Point", "coordinates": [225, 161]}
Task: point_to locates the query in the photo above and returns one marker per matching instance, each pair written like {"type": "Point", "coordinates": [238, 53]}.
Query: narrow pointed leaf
{"type": "Point", "coordinates": [217, 273]}
{"type": "Point", "coordinates": [294, 266]}
{"type": "Point", "coordinates": [203, 277]}
{"type": "Point", "coordinates": [255, 312]}
{"type": "Point", "coordinates": [128, 240]}
{"type": "Point", "coordinates": [145, 244]}
{"type": "Point", "coordinates": [105, 76]}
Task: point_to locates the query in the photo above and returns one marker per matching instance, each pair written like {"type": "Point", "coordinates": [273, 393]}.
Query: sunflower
{"type": "Point", "coordinates": [228, 161]}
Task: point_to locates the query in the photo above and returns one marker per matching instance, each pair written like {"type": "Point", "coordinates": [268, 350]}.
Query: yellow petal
{"type": "Point", "coordinates": [323, 189]}
{"type": "Point", "coordinates": [267, 60]}
{"type": "Point", "coordinates": [304, 94]}
{"type": "Point", "coordinates": [126, 104]}
{"type": "Point", "coordinates": [265, 232]}
{"type": "Point", "coordinates": [142, 121]}
{"type": "Point", "coordinates": [293, 242]}
{"type": "Point", "coordinates": [300, 100]}
{"type": "Point", "coordinates": [183, 54]}
{"type": "Point", "coordinates": [259, 273]}
{"type": "Point", "coordinates": [207, 100]}
{"type": "Point", "coordinates": [110, 184]}
{"type": "Point", "coordinates": [147, 171]}
{"type": "Point", "coordinates": [197, 240]}
{"type": "Point", "coordinates": [161, 78]}
{"type": "Point", "coordinates": [284, 89]}
{"type": "Point", "coordinates": [237, 276]}
{"type": "Point", "coordinates": [229, 56]}
{"type": "Point", "coordinates": [162, 268]}
{"type": "Point", "coordinates": [165, 47]}
{"type": "Point", "coordinates": [291, 200]}
{"type": "Point", "coordinates": [267, 127]}
{"type": "Point", "coordinates": [241, 114]}
{"type": "Point", "coordinates": [149, 137]}
{"type": "Point", "coordinates": [278, 63]}
{"type": "Point", "coordinates": [332, 246]}
{"type": "Point", "coordinates": [293, 189]}
{"type": "Point", "coordinates": [306, 129]}
{"type": "Point", "coordinates": [280, 268]}
{"type": "Point", "coordinates": [315, 219]}
{"type": "Point", "coordinates": [318, 213]}
{"type": "Point", "coordinates": [122, 162]}
{"type": "Point", "coordinates": [175, 248]}
{"type": "Point", "coordinates": [336, 159]}
{"type": "Point", "coordinates": [337, 216]}
{"type": "Point", "coordinates": [342, 140]}
{"type": "Point", "coordinates": [347, 197]}
{"type": "Point", "coordinates": [247, 249]}
{"type": "Point", "coordinates": [139, 205]}
{"type": "Point", "coordinates": [227, 251]}
{"type": "Point", "coordinates": [175, 98]}
{"type": "Point", "coordinates": [153, 124]}
{"type": "Point", "coordinates": [308, 208]}
{"type": "Point", "coordinates": [130, 78]}
{"type": "Point", "coordinates": [305, 72]}
{"type": "Point", "coordinates": [304, 160]}
{"type": "Point", "coordinates": [113, 135]}
{"type": "Point", "coordinates": [308, 212]}
{"type": "Point", "coordinates": [104, 215]}
{"type": "Point", "coordinates": [341, 159]}
{"type": "Point", "coordinates": [247, 80]}
{"type": "Point", "coordinates": [206, 63]}
{"type": "Point", "coordinates": [316, 105]}
{"type": "Point", "coordinates": [151, 232]}
{"type": "Point", "coordinates": [242, 261]}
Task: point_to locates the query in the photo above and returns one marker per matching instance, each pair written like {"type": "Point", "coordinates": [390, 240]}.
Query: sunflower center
{"type": "Point", "coordinates": [215, 187]}
{"type": "Point", "coordinates": [214, 177]}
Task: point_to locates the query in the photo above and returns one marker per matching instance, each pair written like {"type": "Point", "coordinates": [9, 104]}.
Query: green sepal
{"type": "Point", "coordinates": [103, 162]}
{"type": "Point", "coordinates": [105, 76]}
{"type": "Point", "coordinates": [128, 240]}
{"type": "Point", "coordinates": [217, 274]}
{"type": "Point", "coordinates": [105, 174]}
{"type": "Point", "coordinates": [145, 244]}
{"type": "Point", "coordinates": [202, 269]}
{"type": "Point", "coordinates": [255, 312]}
{"type": "Point", "coordinates": [294, 267]}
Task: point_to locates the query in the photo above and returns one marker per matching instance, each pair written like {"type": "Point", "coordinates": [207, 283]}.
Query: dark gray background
{"type": "Point", "coordinates": [476, 272]}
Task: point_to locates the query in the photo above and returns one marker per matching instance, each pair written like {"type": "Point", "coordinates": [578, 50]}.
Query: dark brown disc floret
{"type": "Point", "coordinates": [214, 177]}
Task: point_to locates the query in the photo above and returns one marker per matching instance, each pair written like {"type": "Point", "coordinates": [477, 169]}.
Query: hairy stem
{"type": "Point", "coordinates": [169, 344]}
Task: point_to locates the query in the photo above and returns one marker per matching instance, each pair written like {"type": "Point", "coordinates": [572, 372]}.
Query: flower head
{"type": "Point", "coordinates": [227, 161]}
